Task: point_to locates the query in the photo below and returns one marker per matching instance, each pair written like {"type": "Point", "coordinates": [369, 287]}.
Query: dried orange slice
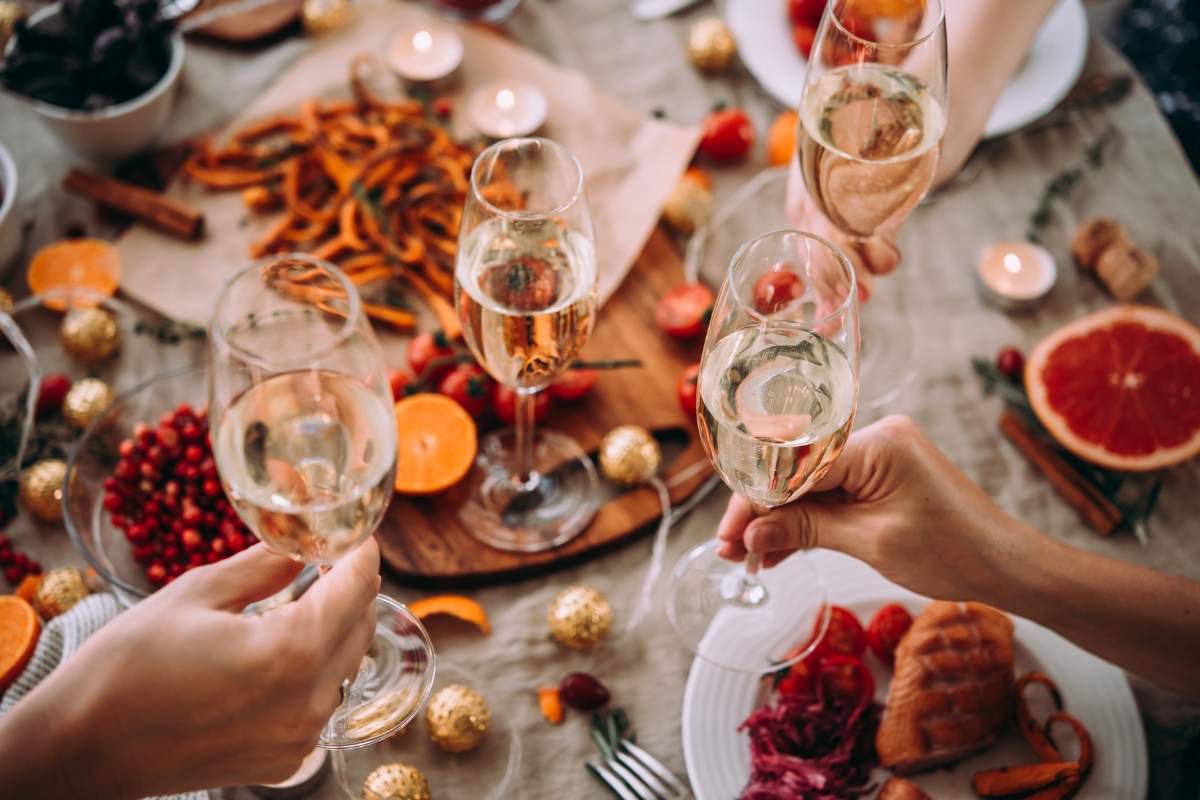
{"type": "Point", "coordinates": [437, 440]}
{"type": "Point", "coordinates": [74, 263]}
{"type": "Point", "coordinates": [456, 606]}
{"type": "Point", "coordinates": [19, 628]}
{"type": "Point", "coordinates": [551, 703]}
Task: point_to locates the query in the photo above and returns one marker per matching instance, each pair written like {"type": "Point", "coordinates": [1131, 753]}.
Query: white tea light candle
{"type": "Point", "coordinates": [424, 53]}
{"type": "Point", "coordinates": [507, 108]}
{"type": "Point", "coordinates": [1015, 273]}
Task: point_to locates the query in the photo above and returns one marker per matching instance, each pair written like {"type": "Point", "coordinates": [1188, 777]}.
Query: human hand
{"type": "Point", "coordinates": [878, 255]}
{"type": "Point", "coordinates": [183, 692]}
{"type": "Point", "coordinates": [893, 500]}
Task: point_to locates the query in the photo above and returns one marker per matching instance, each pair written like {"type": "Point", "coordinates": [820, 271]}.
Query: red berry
{"type": "Point", "coordinates": [143, 554]}
{"type": "Point", "coordinates": [192, 540]}
{"type": "Point", "coordinates": [165, 419]}
{"type": "Point", "coordinates": [195, 559]}
{"type": "Point", "coordinates": [191, 514]}
{"type": "Point", "coordinates": [124, 471]}
{"type": "Point", "coordinates": [175, 570]}
{"type": "Point", "coordinates": [212, 488]}
{"type": "Point", "coordinates": [119, 521]}
{"type": "Point", "coordinates": [113, 502]}
{"type": "Point", "coordinates": [171, 553]}
{"type": "Point", "coordinates": [219, 547]}
{"type": "Point", "coordinates": [14, 575]}
{"type": "Point", "coordinates": [443, 107]}
{"type": "Point", "coordinates": [51, 392]}
{"type": "Point", "coordinates": [34, 568]}
{"type": "Point", "coordinates": [1010, 362]}
{"type": "Point", "coordinates": [5, 541]}
{"type": "Point", "coordinates": [127, 448]}
{"type": "Point", "coordinates": [110, 483]}
{"type": "Point", "coordinates": [191, 432]}
{"type": "Point", "coordinates": [137, 534]}
{"type": "Point", "coordinates": [193, 453]}
{"type": "Point", "coordinates": [211, 558]}
{"type": "Point", "coordinates": [6, 557]}
{"type": "Point", "coordinates": [153, 508]}
{"type": "Point", "coordinates": [167, 437]}
{"type": "Point", "coordinates": [235, 540]}
{"type": "Point", "coordinates": [21, 560]}
{"type": "Point", "coordinates": [184, 411]}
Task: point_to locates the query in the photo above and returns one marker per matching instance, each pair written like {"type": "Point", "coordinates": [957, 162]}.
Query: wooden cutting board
{"type": "Point", "coordinates": [421, 539]}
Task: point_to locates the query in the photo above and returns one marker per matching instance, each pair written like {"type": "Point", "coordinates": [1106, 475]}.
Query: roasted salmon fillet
{"type": "Point", "coordinates": [952, 688]}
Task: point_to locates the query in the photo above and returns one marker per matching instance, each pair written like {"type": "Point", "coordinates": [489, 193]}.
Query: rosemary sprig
{"type": "Point", "coordinates": [1062, 186]}
{"type": "Point", "coordinates": [171, 331]}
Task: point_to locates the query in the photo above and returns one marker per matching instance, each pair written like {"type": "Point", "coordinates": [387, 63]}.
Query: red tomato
{"type": "Point", "coordinates": [399, 381]}
{"type": "Point", "coordinates": [467, 385]}
{"type": "Point", "coordinates": [804, 35]}
{"type": "Point", "coordinates": [844, 636]}
{"type": "Point", "coordinates": [504, 401]}
{"type": "Point", "coordinates": [684, 311]}
{"type": "Point", "coordinates": [887, 628]}
{"type": "Point", "coordinates": [846, 680]}
{"type": "Point", "coordinates": [728, 134]}
{"type": "Point", "coordinates": [51, 393]}
{"type": "Point", "coordinates": [801, 677]}
{"type": "Point", "coordinates": [806, 11]}
{"type": "Point", "coordinates": [573, 384]}
{"type": "Point", "coordinates": [687, 389]}
{"type": "Point", "coordinates": [423, 349]}
{"type": "Point", "coordinates": [774, 290]}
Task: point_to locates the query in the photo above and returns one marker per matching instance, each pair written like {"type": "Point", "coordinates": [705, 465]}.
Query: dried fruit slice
{"type": "Point", "coordinates": [437, 441]}
{"type": "Point", "coordinates": [456, 606]}
{"type": "Point", "coordinates": [19, 628]}
{"type": "Point", "coordinates": [74, 263]}
{"type": "Point", "coordinates": [1120, 387]}
{"type": "Point", "coordinates": [551, 703]}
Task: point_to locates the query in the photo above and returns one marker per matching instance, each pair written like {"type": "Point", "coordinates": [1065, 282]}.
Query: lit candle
{"type": "Point", "coordinates": [507, 108]}
{"type": "Point", "coordinates": [424, 53]}
{"type": "Point", "coordinates": [1016, 273]}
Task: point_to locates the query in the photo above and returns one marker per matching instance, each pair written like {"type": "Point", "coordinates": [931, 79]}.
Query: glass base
{"type": "Point", "coordinates": [558, 503]}
{"type": "Point", "coordinates": [889, 356]}
{"type": "Point", "coordinates": [393, 681]}
{"type": "Point", "coordinates": [474, 10]}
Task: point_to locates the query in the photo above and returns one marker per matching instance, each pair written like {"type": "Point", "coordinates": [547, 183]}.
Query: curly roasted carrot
{"type": "Point", "coordinates": [1021, 780]}
{"type": "Point", "coordinates": [1042, 744]}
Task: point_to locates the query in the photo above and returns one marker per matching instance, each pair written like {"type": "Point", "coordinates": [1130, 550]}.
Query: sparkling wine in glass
{"type": "Point", "coordinates": [304, 437]}
{"type": "Point", "coordinates": [525, 291]}
{"type": "Point", "coordinates": [777, 392]}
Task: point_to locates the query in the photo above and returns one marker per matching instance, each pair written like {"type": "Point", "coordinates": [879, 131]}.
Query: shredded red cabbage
{"type": "Point", "coordinates": [804, 748]}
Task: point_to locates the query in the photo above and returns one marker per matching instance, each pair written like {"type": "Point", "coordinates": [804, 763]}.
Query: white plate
{"type": "Point", "coordinates": [717, 701]}
{"type": "Point", "coordinates": [765, 43]}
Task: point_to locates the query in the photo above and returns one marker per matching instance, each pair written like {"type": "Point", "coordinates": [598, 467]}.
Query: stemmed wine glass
{"type": "Point", "coordinates": [525, 290]}
{"type": "Point", "coordinates": [304, 438]}
{"type": "Point", "coordinates": [872, 118]}
{"type": "Point", "coordinates": [777, 391]}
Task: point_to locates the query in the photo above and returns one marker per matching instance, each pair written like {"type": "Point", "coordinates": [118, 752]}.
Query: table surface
{"type": "Point", "coordinates": [1146, 183]}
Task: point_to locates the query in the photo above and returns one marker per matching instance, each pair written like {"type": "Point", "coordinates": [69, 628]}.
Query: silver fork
{"type": "Point", "coordinates": [631, 772]}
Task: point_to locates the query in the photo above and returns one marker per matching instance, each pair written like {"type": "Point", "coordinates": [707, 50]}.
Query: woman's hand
{"type": "Point", "coordinates": [183, 692]}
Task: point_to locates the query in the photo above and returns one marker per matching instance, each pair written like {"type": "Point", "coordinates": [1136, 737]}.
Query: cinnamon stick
{"type": "Point", "coordinates": [1079, 492]}
{"type": "Point", "coordinates": [153, 208]}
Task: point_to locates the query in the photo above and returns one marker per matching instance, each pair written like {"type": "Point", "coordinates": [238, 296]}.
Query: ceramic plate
{"type": "Point", "coordinates": [1053, 66]}
{"type": "Point", "coordinates": [717, 701]}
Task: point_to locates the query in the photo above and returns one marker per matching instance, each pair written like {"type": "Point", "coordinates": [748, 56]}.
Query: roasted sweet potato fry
{"type": "Point", "coordinates": [1021, 780]}
{"type": "Point", "coordinates": [1042, 744]}
{"type": "Point", "coordinates": [1085, 739]}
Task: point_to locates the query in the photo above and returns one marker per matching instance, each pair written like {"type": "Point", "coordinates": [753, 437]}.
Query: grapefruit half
{"type": "Point", "coordinates": [1120, 387]}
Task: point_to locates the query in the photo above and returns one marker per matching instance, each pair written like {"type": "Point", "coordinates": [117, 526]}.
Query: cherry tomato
{"type": "Point", "coordinates": [573, 384]}
{"type": "Point", "coordinates": [728, 134]}
{"type": "Point", "coordinates": [844, 636]}
{"type": "Point", "coordinates": [504, 402]}
{"type": "Point", "coordinates": [844, 680]}
{"type": "Point", "coordinates": [687, 389]}
{"type": "Point", "coordinates": [887, 628]}
{"type": "Point", "coordinates": [399, 381]}
{"type": "Point", "coordinates": [804, 35]}
{"type": "Point", "coordinates": [51, 393]}
{"type": "Point", "coordinates": [801, 677]}
{"type": "Point", "coordinates": [806, 11]}
{"type": "Point", "coordinates": [423, 349]}
{"type": "Point", "coordinates": [467, 385]}
{"type": "Point", "coordinates": [1010, 362]}
{"type": "Point", "coordinates": [684, 311]}
{"type": "Point", "coordinates": [774, 290]}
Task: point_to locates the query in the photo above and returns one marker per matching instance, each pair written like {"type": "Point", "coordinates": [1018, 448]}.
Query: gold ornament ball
{"type": "Point", "coordinates": [711, 45]}
{"type": "Point", "coordinates": [580, 617]}
{"type": "Point", "coordinates": [9, 14]}
{"type": "Point", "coordinates": [41, 489]}
{"type": "Point", "coordinates": [59, 591]}
{"type": "Point", "coordinates": [6, 301]}
{"type": "Point", "coordinates": [395, 782]}
{"type": "Point", "coordinates": [85, 400]}
{"type": "Point", "coordinates": [688, 207]}
{"type": "Point", "coordinates": [319, 16]}
{"type": "Point", "coordinates": [90, 335]}
{"type": "Point", "coordinates": [458, 718]}
{"type": "Point", "coordinates": [629, 455]}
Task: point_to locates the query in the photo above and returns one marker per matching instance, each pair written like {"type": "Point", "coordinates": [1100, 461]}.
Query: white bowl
{"type": "Point", "coordinates": [10, 225]}
{"type": "Point", "coordinates": [114, 133]}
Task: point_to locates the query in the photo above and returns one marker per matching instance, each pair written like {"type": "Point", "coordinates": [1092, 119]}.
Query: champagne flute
{"type": "Point", "coordinates": [872, 118]}
{"type": "Point", "coordinates": [525, 291]}
{"type": "Point", "coordinates": [304, 437]}
{"type": "Point", "coordinates": [777, 392]}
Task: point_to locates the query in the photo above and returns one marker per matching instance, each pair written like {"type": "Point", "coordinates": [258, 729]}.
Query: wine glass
{"type": "Point", "coordinates": [872, 118]}
{"type": "Point", "coordinates": [525, 291]}
{"type": "Point", "coordinates": [304, 438]}
{"type": "Point", "coordinates": [777, 391]}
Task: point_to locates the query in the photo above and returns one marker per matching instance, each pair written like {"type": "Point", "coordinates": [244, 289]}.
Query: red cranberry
{"type": "Point", "coordinates": [212, 488]}
{"type": "Point", "coordinates": [208, 469]}
{"type": "Point", "coordinates": [21, 560]}
{"type": "Point", "coordinates": [191, 538]}
{"type": "Point", "coordinates": [210, 519]}
{"type": "Point", "coordinates": [171, 553]}
{"type": "Point", "coordinates": [126, 448]}
{"type": "Point", "coordinates": [196, 559]}
{"type": "Point", "coordinates": [211, 558]}
{"type": "Point", "coordinates": [1010, 362]}
{"type": "Point", "coordinates": [147, 470]}
{"type": "Point", "coordinates": [137, 534]}
{"type": "Point", "coordinates": [113, 502]}
{"type": "Point", "coordinates": [119, 521]}
{"type": "Point", "coordinates": [14, 575]}
{"type": "Point", "coordinates": [171, 537]}
{"type": "Point", "coordinates": [124, 471]}
{"type": "Point", "coordinates": [166, 419]}
{"type": "Point", "coordinates": [175, 570]}
{"type": "Point", "coordinates": [157, 573]}
{"type": "Point", "coordinates": [236, 541]}
{"type": "Point", "coordinates": [143, 554]}
{"type": "Point", "coordinates": [185, 410]}
{"type": "Point", "coordinates": [146, 486]}
{"type": "Point", "coordinates": [110, 483]}
{"type": "Point", "coordinates": [583, 691]}
{"type": "Point", "coordinates": [193, 453]}
{"type": "Point", "coordinates": [147, 438]}
{"type": "Point", "coordinates": [219, 547]}
{"type": "Point", "coordinates": [168, 438]}
{"type": "Point", "coordinates": [153, 507]}
{"type": "Point", "coordinates": [34, 568]}
{"type": "Point", "coordinates": [6, 557]}
{"type": "Point", "coordinates": [191, 514]}
{"type": "Point", "coordinates": [53, 390]}
{"type": "Point", "coordinates": [191, 432]}
{"type": "Point", "coordinates": [157, 455]}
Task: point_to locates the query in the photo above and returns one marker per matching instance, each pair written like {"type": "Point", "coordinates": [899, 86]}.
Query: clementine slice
{"type": "Point", "coordinates": [437, 442]}
{"type": "Point", "coordinates": [74, 263]}
{"type": "Point", "coordinates": [455, 605]}
{"type": "Point", "coordinates": [19, 628]}
{"type": "Point", "coordinates": [1120, 387]}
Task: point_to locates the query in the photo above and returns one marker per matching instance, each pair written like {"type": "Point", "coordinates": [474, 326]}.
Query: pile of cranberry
{"type": "Point", "coordinates": [164, 493]}
{"type": "Point", "coordinates": [16, 565]}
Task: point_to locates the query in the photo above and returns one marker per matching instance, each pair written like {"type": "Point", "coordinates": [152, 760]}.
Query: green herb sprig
{"type": "Point", "coordinates": [1060, 187]}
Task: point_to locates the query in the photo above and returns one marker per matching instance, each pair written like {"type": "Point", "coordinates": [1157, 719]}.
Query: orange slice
{"type": "Point", "coordinates": [456, 606]}
{"type": "Point", "coordinates": [550, 703]}
{"type": "Point", "coordinates": [28, 587]}
{"type": "Point", "coordinates": [437, 442]}
{"type": "Point", "coordinates": [781, 139]}
{"type": "Point", "coordinates": [74, 263]}
{"type": "Point", "coordinates": [19, 628]}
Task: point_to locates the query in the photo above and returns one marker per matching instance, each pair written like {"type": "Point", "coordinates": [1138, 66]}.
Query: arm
{"type": "Point", "coordinates": [895, 501]}
{"type": "Point", "coordinates": [182, 692]}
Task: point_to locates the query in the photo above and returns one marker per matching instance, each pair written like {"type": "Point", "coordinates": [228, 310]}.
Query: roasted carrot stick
{"type": "Point", "coordinates": [1042, 744]}
{"type": "Point", "coordinates": [1021, 780]}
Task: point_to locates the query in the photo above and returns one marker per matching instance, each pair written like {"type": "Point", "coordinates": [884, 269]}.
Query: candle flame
{"type": "Point", "coordinates": [422, 41]}
{"type": "Point", "coordinates": [505, 99]}
{"type": "Point", "coordinates": [1012, 263]}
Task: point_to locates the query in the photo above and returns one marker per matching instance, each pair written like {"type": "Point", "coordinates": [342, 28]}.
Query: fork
{"type": "Point", "coordinates": [631, 772]}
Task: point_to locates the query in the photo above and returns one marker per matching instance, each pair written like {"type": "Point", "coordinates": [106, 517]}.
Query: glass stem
{"type": "Point", "coordinates": [751, 591]}
{"type": "Point", "coordinates": [523, 433]}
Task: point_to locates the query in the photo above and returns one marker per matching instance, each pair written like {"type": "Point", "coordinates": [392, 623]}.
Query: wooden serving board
{"type": "Point", "coordinates": [421, 538]}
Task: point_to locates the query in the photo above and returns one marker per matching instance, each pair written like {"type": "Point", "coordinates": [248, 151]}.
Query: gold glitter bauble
{"type": "Point", "coordinates": [689, 206]}
{"type": "Point", "coordinates": [580, 617]}
{"type": "Point", "coordinates": [9, 14]}
{"type": "Point", "coordinates": [6, 301]}
{"type": "Point", "coordinates": [41, 489]}
{"type": "Point", "coordinates": [320, 16]}
{"type": "Point", "coordinates": [458, 718]}
{"type": "Point", "coordinates": [85, 400]}
{"type": "Point", "coordinates": [90, 335]}
{"type": "Point", "coordinates": [59, 591]}
{"type": "Point", "coordinates": [629, 455]}
{"type": "Point", "coordinates": [396, 782]}
{"type": "Point", "coordinates": [711, 45]}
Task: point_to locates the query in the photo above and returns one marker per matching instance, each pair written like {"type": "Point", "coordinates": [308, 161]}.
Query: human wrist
{"type": "Point", "coordinates": [1017, 557]}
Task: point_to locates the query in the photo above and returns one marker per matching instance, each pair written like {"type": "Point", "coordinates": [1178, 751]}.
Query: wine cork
{"type": "Point", "coordinates": [1093, 237]}
{"type": "Point", "coordinates": [1126, 270]}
